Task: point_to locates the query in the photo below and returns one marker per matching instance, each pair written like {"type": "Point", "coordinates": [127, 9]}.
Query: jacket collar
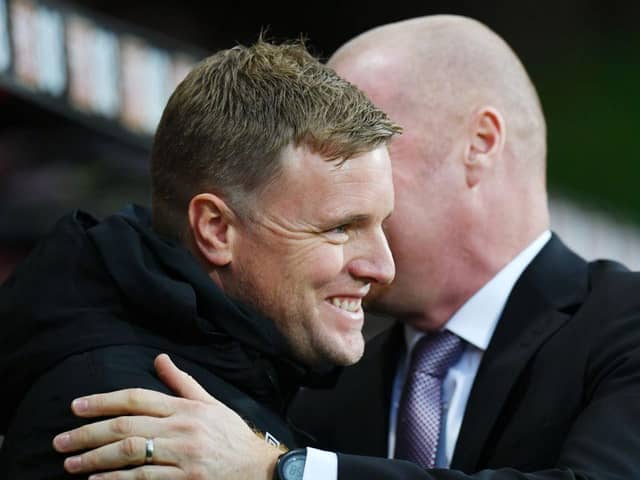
{"type": "Point", "coordinates": [161, 278]}
{"type": "Point", "coordinates": [545, 296]}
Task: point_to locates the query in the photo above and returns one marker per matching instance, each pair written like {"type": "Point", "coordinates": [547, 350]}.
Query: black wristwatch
{"type": "Point", "coordinates": [290, 465]}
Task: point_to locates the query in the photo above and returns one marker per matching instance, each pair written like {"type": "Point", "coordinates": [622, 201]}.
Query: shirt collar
{"type": "Point", "coordinates": [476, 320]}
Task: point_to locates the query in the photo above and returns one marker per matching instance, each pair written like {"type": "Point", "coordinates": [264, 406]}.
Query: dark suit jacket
{"type": "Point", "coordinates": [91, 307]}
{"type": "Point", "coordinates": [557, 393]}
{"type": "Point", "coordinates": [44, 412]}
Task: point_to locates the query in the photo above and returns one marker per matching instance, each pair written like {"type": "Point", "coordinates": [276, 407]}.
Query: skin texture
{"type": "Point", "coordinates": [179, 426]}
{"type": "Point", "coordinates": [316, 236]}
{"type": "Point", "coordinates": [469, 169]}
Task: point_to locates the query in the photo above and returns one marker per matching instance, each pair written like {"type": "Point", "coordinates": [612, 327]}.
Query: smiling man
{"type": "Point", "coordinates": [271, 181]}
{"type": "Point", "coordinates": [514, 358]}
{"type": "Point", "coordinates": [308, 255]}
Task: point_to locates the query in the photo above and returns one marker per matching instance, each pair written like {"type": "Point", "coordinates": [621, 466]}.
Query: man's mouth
{"type": "Point", "coordinates": [349, 304]}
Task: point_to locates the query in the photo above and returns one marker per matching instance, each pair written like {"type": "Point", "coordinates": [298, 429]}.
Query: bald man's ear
{"type": "Point", "coordinates": [212, 225]}
{"type": "Point", "coordinates": [486, 143]}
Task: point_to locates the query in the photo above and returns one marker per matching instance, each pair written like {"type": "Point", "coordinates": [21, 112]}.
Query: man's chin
{"type": "Point", "coordinates": [355, 354]}
{"type": "Point", "coordinates": [327, 356]}
{"type": "Point", "coordinates": [352, 351]}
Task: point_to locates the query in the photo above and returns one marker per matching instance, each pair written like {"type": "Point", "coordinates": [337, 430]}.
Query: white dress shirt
{"type": "Point", "coordinates": [475, 323]}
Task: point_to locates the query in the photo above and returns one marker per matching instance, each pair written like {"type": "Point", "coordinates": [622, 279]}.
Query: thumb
{"type": "Point", "coordinates": [180, 382]}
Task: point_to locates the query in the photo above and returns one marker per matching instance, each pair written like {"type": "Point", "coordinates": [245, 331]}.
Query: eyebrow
{"type": "Point", "coordinates": [353, 218]}
{"type": "Point", "coordinates": [356, 218]}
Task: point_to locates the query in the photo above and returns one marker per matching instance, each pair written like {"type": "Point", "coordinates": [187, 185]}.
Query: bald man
{"type": "Point", "coordinates": [549, 378]}
{"type": "Point", "coordinates": [545, 383]}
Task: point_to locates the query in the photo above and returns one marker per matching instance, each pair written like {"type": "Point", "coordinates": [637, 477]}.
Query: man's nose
{"type": "Point", "coordinates": [373, 261]}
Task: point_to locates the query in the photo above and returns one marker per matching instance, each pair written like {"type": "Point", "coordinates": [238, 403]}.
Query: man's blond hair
{"type": "Point", "coordinates": [225, 125]}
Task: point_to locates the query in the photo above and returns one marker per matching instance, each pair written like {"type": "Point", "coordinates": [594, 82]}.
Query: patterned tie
{"type": "Point", "coordinates": [421, 405]}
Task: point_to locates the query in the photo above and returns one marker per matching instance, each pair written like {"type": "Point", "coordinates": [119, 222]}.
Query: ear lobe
{"type": "Point", "coordinates": [211, 223]}
{"type": "Point", "coordinates": [486, 144]}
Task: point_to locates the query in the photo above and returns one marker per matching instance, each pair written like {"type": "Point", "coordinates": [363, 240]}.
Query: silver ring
{"type": "Point", "coordinates": [148, 450]}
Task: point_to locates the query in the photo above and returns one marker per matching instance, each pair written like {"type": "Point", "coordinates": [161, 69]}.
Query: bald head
{"type": "Point", "coordinates": [469, 167]}
{"type": "Point", "coordinates": [431, 72]}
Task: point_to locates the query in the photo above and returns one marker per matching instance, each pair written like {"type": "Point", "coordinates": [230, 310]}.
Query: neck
{"type": "Point", "coordinates": [474, 273]}
{"type": "Point", "coordinates": [435, 316]}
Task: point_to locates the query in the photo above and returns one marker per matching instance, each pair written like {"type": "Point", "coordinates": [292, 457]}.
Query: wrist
{"type": "Point", "coordinates": [268, 460]}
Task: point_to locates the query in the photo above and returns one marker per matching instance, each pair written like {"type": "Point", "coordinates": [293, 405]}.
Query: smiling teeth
{"type": "Point", "coordinates": [349, 305]}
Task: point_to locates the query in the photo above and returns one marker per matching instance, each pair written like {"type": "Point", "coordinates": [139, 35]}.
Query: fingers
{"type": "Point", "coordinates": [180, 382]}
{"type": "Point", "coordinates": [130, 451]}
{"type": "Point", "coordinates": [132, 401]}
{"type": "Point", "coordinates": [149, 472]}
{"type": "Point", "coordinates": [108, 431]}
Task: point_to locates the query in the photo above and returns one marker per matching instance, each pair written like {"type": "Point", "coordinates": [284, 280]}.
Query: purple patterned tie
{"type": "Point", "coordinates": [420, 405]}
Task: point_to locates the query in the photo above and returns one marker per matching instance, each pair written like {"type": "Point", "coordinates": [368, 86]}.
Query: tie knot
{"type": "Point", "coordinates": [434, 354]}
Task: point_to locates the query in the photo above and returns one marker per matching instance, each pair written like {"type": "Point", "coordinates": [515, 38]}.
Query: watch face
{"type": "Point", "coordinates": [292, 467]}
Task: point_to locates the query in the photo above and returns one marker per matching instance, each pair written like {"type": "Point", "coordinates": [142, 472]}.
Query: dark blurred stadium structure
{"type": "Point", "coordinates": [82, 85]}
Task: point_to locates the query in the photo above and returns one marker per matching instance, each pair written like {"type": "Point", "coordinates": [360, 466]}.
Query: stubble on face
{"type": "Point", "coordinates": [295, 260]}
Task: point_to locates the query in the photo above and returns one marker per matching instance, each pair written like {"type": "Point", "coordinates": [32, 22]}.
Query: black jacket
{"type": "Point", "coordinates": [92, 306]}
{"type": "Point", "coordinates": [556, 396]}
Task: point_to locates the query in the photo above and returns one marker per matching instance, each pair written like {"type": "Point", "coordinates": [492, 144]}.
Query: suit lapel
{"type": "Point", "coordinates": [541, 302]}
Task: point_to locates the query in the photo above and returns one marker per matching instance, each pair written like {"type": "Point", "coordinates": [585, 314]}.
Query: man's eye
{"type": "Point", "coordinates": [339, 234]}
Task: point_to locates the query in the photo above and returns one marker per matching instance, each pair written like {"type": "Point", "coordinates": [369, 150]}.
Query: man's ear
{"type": "Point", "coordinates": [212, 225]}
{"type": "Point", "coordinates": [487, 136]}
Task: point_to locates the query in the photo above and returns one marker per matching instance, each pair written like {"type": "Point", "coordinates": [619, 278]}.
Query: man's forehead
{"type": "Point", "coordinates": [336, 188]}
{"type": "Point", "coordinates": [300, 160]}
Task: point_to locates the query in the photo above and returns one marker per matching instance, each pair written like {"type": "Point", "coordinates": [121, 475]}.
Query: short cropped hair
{"type": "Point", "coordinates": [227, 122]}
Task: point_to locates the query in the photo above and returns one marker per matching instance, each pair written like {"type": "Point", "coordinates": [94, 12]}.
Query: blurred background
{"type": "Point", "coordinates": [83, 84]}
